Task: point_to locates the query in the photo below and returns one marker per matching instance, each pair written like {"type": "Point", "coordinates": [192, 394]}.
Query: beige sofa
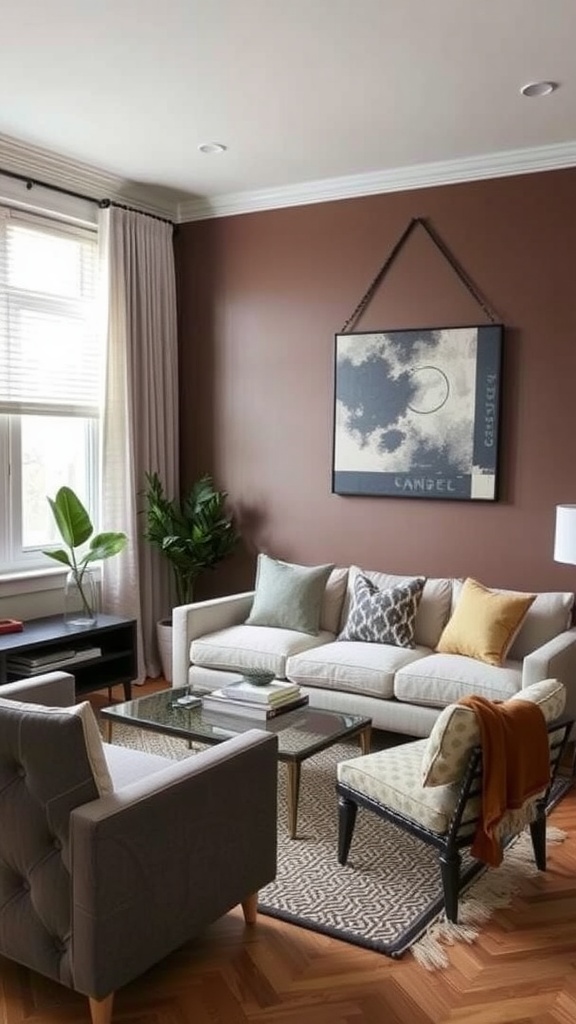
{"type": "Point", "coordinates": [402, 689]}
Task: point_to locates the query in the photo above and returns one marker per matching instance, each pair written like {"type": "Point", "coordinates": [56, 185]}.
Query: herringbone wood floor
{"type": "Point", "coordinates": [521, 969]}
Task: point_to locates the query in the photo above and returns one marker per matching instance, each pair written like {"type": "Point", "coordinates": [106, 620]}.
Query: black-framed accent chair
{"type": "Point", "coordinates": [111, 858]}
{"type": "Point", "coordinates": [433, 787]}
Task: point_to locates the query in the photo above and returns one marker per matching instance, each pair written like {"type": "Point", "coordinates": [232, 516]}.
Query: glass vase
{"type": "Point", "coordinates": [81, 599]}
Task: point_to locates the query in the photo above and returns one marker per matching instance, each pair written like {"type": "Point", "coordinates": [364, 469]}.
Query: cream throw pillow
{"type": "Point", "coordinates": [484, 623]}
{"type": "Point", "coordinates": [61, 733]}
{"type": "Point", "coordinates": [331, 610]}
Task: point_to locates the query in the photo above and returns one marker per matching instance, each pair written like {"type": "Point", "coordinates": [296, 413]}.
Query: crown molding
{"type": "Point", "coordinates": [448, 172]}
{"type": "Point", "coordinates": [91, 182]}
{"type": "Point", "coordinates": [54, 169]}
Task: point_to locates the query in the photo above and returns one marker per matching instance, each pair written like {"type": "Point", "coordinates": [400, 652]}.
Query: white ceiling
{"type": "Point", "coordinates": [311, 97]}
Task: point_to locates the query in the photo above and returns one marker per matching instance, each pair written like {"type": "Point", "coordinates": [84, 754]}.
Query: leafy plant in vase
{"type": "Point", "coordinates": [194, 534]}
{"type": "Point", "coordinates": [76, 529]}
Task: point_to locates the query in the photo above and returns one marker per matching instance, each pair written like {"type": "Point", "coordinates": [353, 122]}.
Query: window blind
{"type": "Point", "coordinates": [50, 352]}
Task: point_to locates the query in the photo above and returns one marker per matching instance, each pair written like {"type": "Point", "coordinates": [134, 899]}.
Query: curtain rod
{"type": "Point", "coordinates": [102, 203]}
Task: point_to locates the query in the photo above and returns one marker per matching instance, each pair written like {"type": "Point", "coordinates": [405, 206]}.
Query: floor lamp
{"type": "Point", "coordinates": [565, 537]}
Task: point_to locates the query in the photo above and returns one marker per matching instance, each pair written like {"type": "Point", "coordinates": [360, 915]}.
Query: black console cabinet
{"type": "Point", "coordinates": [116, 638]}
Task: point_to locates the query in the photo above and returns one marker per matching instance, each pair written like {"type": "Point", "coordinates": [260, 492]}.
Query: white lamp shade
{"type": "Point", "coordinates": [565, 538]}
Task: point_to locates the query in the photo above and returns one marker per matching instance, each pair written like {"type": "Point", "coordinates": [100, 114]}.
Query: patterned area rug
{"type": "Point", "coordinates": [389, 894]}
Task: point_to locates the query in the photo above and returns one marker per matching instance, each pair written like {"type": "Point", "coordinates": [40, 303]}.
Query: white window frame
{"type": "Point", "coordinates": [25, 571]}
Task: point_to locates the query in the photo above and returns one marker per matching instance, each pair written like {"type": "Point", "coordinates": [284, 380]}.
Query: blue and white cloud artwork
{"type": "Point", "coordinates": [416, 413]}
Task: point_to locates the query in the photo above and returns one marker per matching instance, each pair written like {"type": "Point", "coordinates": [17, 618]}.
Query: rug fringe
{"type": "Point", "coordinates": [492, 890]}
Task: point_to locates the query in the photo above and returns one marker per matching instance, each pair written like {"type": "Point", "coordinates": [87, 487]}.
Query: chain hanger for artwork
{"type": "Point", "coordinates": [445, 252]}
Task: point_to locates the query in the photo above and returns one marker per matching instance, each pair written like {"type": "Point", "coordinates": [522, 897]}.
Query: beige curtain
{"type": "Point", "coordinates": [140, 427]}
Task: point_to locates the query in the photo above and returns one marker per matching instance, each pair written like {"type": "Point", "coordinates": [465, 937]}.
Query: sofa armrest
{"type": "Point", "coordinates": [189, 621]}
{"type": "Point", "coordinates": [156, 862]}
{"type": "Point", "coordinates": [555, 660]}
{"type": "Point", "coordinates": [53, 689]}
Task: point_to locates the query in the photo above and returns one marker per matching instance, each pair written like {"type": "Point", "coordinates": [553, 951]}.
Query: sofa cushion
{"type": "Point", "coordinates": [383, 616]}
{"type": "Point", "coordinates": [288, 596]}
{"type": "Point", "coordinates": [255, 648]}
{"type": "Point", "coordinates": [440, 679]}
{"type": "Point", "coordinates": [548, 615]}
{"type": "Point", "coordinates": [484, 623]}
{"type": "Point", "coordinates": [433, 610]}
{"type": "Point", "coordinates": [456, 731]}
{"type": "Point", "coordinates": [352, 666]}
{"type": "Point", "coordinates": [127, 765]}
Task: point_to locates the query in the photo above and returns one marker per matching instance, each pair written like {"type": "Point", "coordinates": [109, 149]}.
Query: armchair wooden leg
{"type": "Point", "coordinates": [101, 1009]}
{"type": "Point", "coordinates": [450, 868]}
{"type": "Point", "coordinates": [346, 820]}
{"type": "Point", "coordinates": [538, 835]}
{"type": "Point", "coordinates": [250, 908]}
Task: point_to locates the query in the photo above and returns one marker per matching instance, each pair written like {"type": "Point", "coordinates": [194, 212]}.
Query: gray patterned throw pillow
{"type": "Point", "coordinates": [383, 616]}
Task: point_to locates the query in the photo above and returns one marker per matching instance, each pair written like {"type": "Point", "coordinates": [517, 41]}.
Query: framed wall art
{"type": "Point", "coordinates": [416, 413]}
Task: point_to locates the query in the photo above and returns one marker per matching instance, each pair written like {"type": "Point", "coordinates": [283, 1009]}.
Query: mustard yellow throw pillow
{"type": "Point", "coordinates": [484, 623]}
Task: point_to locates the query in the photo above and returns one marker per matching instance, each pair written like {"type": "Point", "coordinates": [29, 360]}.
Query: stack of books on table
{"type": "Point", "coordinates": [35, 664]}
{"type": "Point", "coordinates": [250, 700]}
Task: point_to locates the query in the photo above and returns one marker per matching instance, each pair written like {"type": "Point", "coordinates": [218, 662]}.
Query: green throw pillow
{"type": "Point", "coordinates": [288, 596]}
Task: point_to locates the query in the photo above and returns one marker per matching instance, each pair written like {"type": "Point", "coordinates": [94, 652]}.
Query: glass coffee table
{"type": "Point", "coordinates": [301, 733]}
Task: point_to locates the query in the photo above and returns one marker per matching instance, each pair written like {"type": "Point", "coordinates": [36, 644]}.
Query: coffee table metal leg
{"type": "Point", "coordinates": [292, 794]}
{"type": "Point", "coordinates": [365, 737]}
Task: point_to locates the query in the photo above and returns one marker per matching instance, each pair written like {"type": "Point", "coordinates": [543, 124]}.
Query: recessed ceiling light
{"type": "Point", "coordinates": [212, 147]}
{"type": "Point", "coordinates": [538, 88]}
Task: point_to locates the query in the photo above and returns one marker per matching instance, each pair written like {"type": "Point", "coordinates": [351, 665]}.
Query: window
{"type": "Point", "coordinates": [51, 363]}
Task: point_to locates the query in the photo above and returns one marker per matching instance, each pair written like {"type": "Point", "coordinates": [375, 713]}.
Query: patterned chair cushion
{"type": "Point", "coordinates": [393, 778]}
{"type": "Point", "coordinates": [383, 616]}
{"type": "Point", "coordinates": [456, 731]}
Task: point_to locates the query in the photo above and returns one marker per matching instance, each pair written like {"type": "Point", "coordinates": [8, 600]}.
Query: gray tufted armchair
{"type": "Point", "coordinates": [111, 858]}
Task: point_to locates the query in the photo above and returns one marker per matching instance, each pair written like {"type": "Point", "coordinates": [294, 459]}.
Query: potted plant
{"type": "Point", "coordinates": [76, 529]}
{"type": "Point", "coordinates": [194, 534]}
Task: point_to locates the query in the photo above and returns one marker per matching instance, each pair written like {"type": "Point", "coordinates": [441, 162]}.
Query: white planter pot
{"type": "Point", "coordinates": [164, 638]}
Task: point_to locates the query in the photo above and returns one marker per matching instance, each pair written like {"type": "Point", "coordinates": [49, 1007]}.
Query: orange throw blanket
{"type": "Point", "coordinates": [516, 764]}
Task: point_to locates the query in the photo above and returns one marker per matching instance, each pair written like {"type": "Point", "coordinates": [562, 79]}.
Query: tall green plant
{"type": "Point", "coordinates": [194, 534]}
{"type": "Point", "coordinates": [75, 528]}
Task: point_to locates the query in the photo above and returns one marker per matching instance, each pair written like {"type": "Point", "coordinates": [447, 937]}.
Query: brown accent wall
{"type": "Point", "coordinates": [261, 297]}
